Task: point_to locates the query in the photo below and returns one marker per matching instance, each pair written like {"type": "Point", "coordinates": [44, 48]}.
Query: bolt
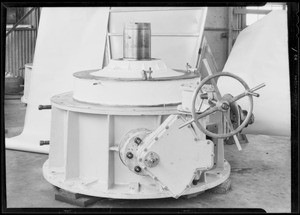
{"type": "Point", "coordinates": [137, 169]}
{"type": "Point", "coordinates": [44, 142]}
{"type": "Point", "coordinates": [225, 106]}
{"type": "Point", "coordinates": [138, 140]}
{"type": "Point", "coordinates": [129, 155]}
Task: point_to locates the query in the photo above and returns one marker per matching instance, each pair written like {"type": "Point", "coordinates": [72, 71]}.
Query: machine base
{"type": "Point", "coordinates": [213, 178]}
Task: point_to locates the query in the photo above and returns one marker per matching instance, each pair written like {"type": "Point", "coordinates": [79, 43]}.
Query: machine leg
{"type": "Point", "coordinates": [75, 198]}
{"type": "Point", "coordinates": [193, 195]}
{"type": "Point", "coordinates": [222, 188]}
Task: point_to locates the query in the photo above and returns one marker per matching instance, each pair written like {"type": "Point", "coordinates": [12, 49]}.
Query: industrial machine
{"type": "Point", "coordinates": [137, 129]}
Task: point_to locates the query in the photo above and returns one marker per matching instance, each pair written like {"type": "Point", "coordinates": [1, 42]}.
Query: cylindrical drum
{"type": "Point", "coordinates": [137, 41]}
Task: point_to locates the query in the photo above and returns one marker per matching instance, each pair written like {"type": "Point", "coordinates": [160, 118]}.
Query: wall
{"type": "Point", "coordinates": [20, 44]}
{"type": "Point", "coordinates": [217, 25]}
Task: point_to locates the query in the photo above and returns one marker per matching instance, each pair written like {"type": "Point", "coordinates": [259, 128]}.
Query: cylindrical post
{"type": "Point", "coordinates": [137, 41]}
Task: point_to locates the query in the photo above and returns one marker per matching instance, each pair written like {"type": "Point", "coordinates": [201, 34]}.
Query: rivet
{"type": "Point", "coordinates": [145, 149]}
{"type": "Point", "coordinates": [167, 127]}
{"type": "Point", "coordinates": [140, 159]}
{"type": "Point", "coordinates": [156, 138]}
{"type": "Point", "coordinates": [208, 142]}
{"type": "Point", "coordinates": [155, 178]}
{"type": "Point", "coordinates": [196, 139]}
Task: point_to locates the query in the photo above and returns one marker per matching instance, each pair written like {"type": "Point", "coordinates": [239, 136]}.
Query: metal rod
{"type": "Point", "coordinates": [44, 142]}
{"type": "Point", "coordinates": [258, 87]}
{"type": "Point", "coordinates": [16, 25]}
{"type": "Point", "coordinates": [42, 107]}
{"type": "Point", "coordinates": [250, 11]}
{"type": "Point", "coordinates": [160, 35]}
{"type": "Point", "coordinates": [151, 10]}
{"type": "Point", "coordinates": [230, 27]}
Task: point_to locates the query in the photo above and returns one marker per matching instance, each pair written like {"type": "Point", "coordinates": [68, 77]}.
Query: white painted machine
{"type": "Point", "coordinates": [140, 130]}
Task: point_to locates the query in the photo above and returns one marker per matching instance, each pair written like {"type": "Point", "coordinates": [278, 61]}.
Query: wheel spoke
{"type": "Point", "coordinates": [207, 112]}
{"type": "Point", "coordinates": [234, 99]}
{"type": "Point", "coordinates": [236, 140]}
{"type": "Point", "coordinates": [248, 92]}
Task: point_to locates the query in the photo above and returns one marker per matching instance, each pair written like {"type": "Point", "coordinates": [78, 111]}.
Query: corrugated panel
{"type": "Point", "coordinates": [20, 46]}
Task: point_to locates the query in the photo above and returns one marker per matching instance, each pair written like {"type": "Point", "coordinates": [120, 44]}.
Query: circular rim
{"type": "Point", "coordinates": [86, 74]}
{"type": "Point", "coordinates": [238, 129]}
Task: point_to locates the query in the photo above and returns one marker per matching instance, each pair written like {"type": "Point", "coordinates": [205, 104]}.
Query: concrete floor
{"type": "Point", "coordinates": [260, 178]}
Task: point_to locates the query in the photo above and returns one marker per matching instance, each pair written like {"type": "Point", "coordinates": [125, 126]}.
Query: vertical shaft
{"type": "Point", "coordinates": [137, 41]}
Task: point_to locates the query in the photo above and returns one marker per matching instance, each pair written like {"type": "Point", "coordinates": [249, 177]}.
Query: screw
{"type": "Point", "coordinates": [137, 169]}
{"type": "Point", "coordinates": [137, 140]}
{"type": "Point", "coordinates": [129, 155]}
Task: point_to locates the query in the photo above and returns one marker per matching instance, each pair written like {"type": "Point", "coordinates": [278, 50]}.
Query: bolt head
{"type": "Point", "coordinates": [129, 155]}
{"type": "Point", "coordinates": [138, 140]}
{"type": "Point", "coordinates": [137, 169]}
{"type": "Point", "coordinates": [225, 106]}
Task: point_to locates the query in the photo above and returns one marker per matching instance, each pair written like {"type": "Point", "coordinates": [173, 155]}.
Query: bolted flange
{"type": "Point", "coordinates": [151, 159]}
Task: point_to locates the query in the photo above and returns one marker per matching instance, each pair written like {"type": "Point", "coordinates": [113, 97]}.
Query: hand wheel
{"type": "Point", "coordinates": [222, 104]}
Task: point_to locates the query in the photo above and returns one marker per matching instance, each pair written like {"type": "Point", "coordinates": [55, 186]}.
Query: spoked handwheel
{"type": "Point", "coordinates": [222, 104]}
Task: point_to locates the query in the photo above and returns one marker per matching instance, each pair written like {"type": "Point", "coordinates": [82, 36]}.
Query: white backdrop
{"type": "Point", "coordinates": [69, 40]}
{"type": "Point", "coordinates": [73, 39]}
{"type": "Point", "coordinates": [260, 55]}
